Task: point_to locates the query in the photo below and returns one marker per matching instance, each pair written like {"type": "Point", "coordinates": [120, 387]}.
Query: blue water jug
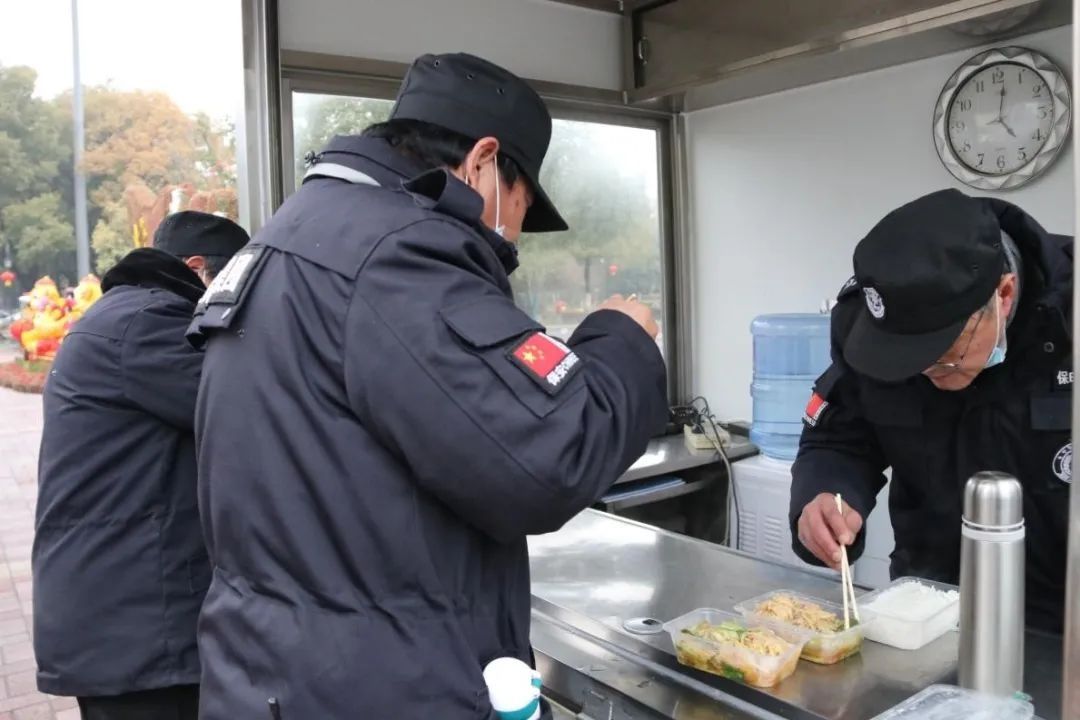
{"type": "Point", "coordinates": [790, 352]}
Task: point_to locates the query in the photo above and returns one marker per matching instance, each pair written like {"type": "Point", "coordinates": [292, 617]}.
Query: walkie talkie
{"type": "Point", "coordinates": [275, 708]}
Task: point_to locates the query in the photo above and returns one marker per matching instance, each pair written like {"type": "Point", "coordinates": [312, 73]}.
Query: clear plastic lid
{"type": "Point", "coordinates": [946, 702]}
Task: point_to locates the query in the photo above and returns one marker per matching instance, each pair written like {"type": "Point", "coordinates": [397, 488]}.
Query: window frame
{"type": "Point", "coordinates": [318, 73]}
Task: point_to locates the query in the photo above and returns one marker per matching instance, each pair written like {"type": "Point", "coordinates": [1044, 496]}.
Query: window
{"type": "Point", "coordinates": [318, 118]}
{"type": "Point", "coordinates": [604, 178]}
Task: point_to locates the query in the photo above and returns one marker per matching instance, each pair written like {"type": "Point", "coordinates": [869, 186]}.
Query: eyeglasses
{"type": "Point", "coordinates": [944, 368]}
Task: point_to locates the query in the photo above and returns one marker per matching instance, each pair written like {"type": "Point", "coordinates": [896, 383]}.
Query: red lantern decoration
{"type": "Point", "coordinates": [7, 277]}
{"type": "Point", "coordinates": [613, 270]}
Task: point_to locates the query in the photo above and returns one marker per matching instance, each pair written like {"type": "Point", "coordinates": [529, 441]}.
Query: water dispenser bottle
{"type": "Point", "coordinates": [790, 353]}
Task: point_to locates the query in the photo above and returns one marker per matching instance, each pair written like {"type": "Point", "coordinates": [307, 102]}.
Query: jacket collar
{"type": "Point", "coordinates": [437, 190]}
{"type": "Point", "coordinates": [153, 268]}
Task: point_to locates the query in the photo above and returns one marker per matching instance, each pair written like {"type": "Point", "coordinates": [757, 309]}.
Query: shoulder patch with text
{"type": "Point", "coordinates": [815, 410]}
{"type": "Point", "coordinates": [546, 361]}
{"type": "Point", "coordinates": [229, 285]}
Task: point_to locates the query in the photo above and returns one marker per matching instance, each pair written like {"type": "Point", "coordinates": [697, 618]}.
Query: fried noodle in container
{"type": "Point", "coordinates": [810, 620]}
{"type": "Point", "coordinates": [725, 644]}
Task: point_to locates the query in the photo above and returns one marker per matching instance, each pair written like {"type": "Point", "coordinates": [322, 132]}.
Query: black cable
{"type": "Point", "coordinates": [706, 414]}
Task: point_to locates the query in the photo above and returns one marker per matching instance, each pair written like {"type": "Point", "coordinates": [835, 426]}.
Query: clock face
{"type": "Point", "coordinates": [1000, 118]}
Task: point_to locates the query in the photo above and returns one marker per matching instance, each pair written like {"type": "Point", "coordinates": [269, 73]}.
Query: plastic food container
{"type": "Point", "coordinates": [729, 660]}
{"type": "Point", "coordinates": [945, 702]}
{"type": "Point", "coordinates": [822, 648]}
{"type": "Point", "coordinates": [908, 628]}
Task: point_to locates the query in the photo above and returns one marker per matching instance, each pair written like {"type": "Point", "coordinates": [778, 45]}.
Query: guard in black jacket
{"type": "Point", "coordinates": [952, 354]}
{"type": "Point", "coordinates": [380, 426]}
{"type": "Point", "coordinates": [119, 565]}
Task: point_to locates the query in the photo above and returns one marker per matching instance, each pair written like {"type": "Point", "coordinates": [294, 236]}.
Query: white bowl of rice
{"type": "Point", "coordinates": [911, 612]}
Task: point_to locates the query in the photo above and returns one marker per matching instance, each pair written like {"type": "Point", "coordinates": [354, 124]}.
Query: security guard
{"type": "Point", "coordinates": [380, 426]}
{"type": "Point", "coordinates": [120, 568]}
{"type": "Point", "coordinates": [951, 355]}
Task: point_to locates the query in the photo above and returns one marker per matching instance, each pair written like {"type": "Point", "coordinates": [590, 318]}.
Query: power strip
{"type": "Point", "coordinates": [696, 440]}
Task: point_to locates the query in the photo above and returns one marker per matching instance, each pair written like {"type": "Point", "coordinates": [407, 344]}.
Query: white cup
{"type": "Point", "coordinates": [514, 689]}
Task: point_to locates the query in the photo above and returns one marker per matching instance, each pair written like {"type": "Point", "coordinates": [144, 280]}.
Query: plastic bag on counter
{"type": "Point", "coordinates": [946, 702]}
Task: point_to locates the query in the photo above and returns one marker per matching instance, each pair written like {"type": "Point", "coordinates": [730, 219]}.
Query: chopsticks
{"type": "Point", "coordinates": [846, 582]}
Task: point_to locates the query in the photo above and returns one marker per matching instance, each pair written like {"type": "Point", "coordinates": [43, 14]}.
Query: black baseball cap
{"type": "Point", "coordinates": [189, 233]}
{"type": "Point", "coordinates": [479, 99]}
{"type": "Point", "coordinates": [924, 270]}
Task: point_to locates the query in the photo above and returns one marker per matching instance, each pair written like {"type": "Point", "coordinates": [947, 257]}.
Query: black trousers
{"type": "Point", "coordinates": [172, 703]}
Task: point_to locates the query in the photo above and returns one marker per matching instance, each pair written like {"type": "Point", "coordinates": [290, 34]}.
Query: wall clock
{"type": "Point", "coordinates": [1002, 118]}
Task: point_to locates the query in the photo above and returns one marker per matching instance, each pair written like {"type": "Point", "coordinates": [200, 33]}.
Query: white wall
{"type": "Point", "coordinates": [536, 39]}
{"type": "Point", "coordinates": [785, 185]}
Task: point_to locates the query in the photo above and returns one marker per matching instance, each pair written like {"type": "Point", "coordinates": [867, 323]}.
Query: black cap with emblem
{"type": "Point", "coordinates": [479, 99]}
{"type": "Point", "coordinates": [189, 233]}
{"type": "Point", "coordinates": [924, 270]}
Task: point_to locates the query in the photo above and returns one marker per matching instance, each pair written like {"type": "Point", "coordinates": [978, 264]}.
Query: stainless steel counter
{"type": "Point", "coordinates": [669, 454]}
{"type": "Point", "coordinates": [600, 571]}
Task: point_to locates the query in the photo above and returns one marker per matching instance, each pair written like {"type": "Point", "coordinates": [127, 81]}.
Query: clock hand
{"type": "Point", "coordinates": [1000, 120]}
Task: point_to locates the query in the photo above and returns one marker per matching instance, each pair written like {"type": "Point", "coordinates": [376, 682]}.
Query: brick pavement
{"type": "Point", "coordinates": [20, 434]}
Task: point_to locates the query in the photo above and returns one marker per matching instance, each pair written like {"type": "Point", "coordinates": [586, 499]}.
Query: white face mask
{"type": "Point", "coordinates": [500, 230]}
{"type": "Point", "coordinates": [1001, 342]}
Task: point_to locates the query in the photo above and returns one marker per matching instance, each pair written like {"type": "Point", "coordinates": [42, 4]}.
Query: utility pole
{"type": "Point", "coordinates": [82, 233]}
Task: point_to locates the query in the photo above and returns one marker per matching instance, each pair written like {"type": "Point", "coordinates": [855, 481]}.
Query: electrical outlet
{"type": "Point", "coordinates": [700, 441]}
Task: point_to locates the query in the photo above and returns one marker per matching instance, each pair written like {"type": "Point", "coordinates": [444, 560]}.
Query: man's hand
{"type": "Point", "coordinates": [822, 529]}
{"type": "Point", "coordinates": [639, 312]}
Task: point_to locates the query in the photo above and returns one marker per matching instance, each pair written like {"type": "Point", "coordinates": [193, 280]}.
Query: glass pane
{"type": "Point", "coordinates": [604, 180]}
{"type": "Point", "coordinates": [317, 118]}
{"type": "Point", "coordinates": [159, 134]}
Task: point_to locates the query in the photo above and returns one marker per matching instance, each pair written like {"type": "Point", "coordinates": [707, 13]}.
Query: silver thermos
{"type": "Point", "coordinates": [992, 585]}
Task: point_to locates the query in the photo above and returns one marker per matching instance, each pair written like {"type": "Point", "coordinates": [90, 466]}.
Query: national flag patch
{"type": "Point", "coordinates": [815, 409]}
{"type": "Point", "coordinates": [548, 362]}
